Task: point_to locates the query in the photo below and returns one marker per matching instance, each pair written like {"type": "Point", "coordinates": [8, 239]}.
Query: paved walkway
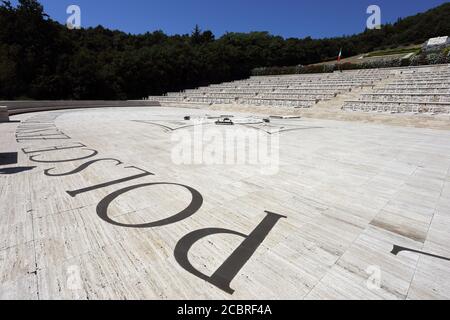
{"type": "Point", "coordinates": [95, 207]}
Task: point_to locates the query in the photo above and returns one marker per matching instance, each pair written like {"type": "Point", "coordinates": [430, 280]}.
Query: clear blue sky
{"type": "Point", "coordinates": [288, 18]}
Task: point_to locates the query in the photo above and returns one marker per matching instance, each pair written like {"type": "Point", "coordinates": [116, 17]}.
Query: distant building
{"type": "Point", "coordinates": [436, 43]}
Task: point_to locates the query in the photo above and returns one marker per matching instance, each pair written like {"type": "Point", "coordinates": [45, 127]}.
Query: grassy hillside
{"type": "Point", "coordinates": [397, 51]}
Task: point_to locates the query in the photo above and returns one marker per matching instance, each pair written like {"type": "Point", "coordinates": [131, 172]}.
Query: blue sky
{"type": "Point", "coordinates": [288, 18]}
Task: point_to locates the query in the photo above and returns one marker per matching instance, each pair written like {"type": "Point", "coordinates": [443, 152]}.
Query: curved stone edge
{"type": "Point", "coordinates": [21, 107]}
{"type": "Point", "coordinates": [4, 114]}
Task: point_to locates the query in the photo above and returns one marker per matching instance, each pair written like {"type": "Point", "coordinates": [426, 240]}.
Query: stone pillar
{"type": "Point", "coordinates": [4, 114]}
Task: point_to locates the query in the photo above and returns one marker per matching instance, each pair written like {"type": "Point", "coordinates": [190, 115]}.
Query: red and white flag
{"type": "Point", "coordinates": [340, 55]}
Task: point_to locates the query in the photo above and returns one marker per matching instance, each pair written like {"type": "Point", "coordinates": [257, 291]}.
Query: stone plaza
{"type": "Point", "coordinates": [93, 206]}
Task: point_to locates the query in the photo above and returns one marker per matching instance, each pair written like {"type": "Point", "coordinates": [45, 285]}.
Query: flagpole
{"type": "Point", "coordinates": [339, 60]}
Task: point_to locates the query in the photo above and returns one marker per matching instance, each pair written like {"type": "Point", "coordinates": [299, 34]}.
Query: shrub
{"type": "Point", "coordinates": [432, 58]}
{"type": "Point", "coordinates": [446, 52]}
{"type": "Point", "coordinates": [328, 68]}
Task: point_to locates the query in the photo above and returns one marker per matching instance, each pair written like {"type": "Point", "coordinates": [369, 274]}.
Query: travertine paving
{"type": "Point", "coordinates": [96, 208]}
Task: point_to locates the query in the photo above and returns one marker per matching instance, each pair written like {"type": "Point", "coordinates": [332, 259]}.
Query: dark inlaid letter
{"type": "Point", "coordinates": [397, 249]}
{"type": "Point", "coordinates": [192, 208]}
{"type": "Point", "coordinates": [93, 154]}
{"type": "Point", "coordinates": [54, 148]}
{"type": "Point", "coordinates": [230, 268]}
{"type": "Point", "coordinates": [110, 183]}
{"type": "Point", "coordinates": [80, 168]}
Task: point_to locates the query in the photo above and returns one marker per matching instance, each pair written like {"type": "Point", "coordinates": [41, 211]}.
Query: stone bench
{"type": "Point", "coordinates": [397, 107]}
{"type": "Point", "coordinates": [413, 90]}
{"type": "Point", "coordinates": [407, 97]}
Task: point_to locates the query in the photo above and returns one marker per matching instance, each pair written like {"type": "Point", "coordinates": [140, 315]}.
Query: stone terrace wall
{"type": "Point", "coordinates": [20, 107]}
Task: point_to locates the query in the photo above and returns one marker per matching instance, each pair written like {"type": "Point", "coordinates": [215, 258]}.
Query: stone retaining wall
{"type": "Point", "coordinates": [20, 107]}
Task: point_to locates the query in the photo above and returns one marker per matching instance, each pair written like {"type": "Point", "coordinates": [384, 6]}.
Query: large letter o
{"type": "Point", "coordinates": [194, 206]}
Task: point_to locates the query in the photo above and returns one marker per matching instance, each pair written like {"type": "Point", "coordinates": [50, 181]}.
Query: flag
{"type": "Point", "coordinates": [340, 55]}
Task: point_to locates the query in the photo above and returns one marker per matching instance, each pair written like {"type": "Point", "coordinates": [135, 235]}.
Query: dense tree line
{"type": "Point", "coordinates": [42, 59]}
